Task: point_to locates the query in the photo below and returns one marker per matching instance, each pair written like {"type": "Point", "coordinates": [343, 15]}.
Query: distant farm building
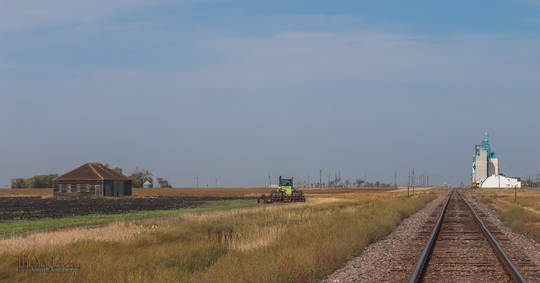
{"type": "Point", "coordinates": [92, 179]}
{"type": "Point", "coordinates": [485, 162]}
{"type": "Point", "coordinates": [147, 185]}
{"type": "Point", "coordinates": [485, 168]}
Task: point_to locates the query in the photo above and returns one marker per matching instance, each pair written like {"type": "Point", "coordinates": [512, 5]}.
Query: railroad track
{"type": "Point", "coordinates": [461, 248]}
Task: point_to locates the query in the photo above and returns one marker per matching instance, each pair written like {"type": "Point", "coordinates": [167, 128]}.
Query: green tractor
{"type": "Point", "coordinates": [284, 193]}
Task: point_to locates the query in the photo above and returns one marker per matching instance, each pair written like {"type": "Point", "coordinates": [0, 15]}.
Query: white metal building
{"type": "Point", "coordinates": [498, 181]}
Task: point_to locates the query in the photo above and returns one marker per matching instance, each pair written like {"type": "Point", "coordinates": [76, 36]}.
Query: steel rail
{"type": "Point", "coordinates": [508, 266]}
{"type": "Point", "coordinates": [507, 263]}
{"type": "Point", "coordinates": [428, 249]}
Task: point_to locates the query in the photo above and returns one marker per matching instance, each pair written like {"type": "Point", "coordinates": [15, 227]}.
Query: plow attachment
{"type": "Point", "coordinates": [276, 196]}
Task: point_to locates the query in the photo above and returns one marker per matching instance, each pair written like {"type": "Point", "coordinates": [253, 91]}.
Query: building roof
{"type": "Point", "coordinates": [92, 171]}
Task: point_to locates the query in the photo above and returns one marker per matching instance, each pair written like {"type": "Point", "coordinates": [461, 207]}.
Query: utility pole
{"type": "Point", "coordinates": [269, 181]}
{"type": "Point", "coordinates": [328, 184]}
{"type": "Point", "coordinates": [365, 177]}
{"type": "Point", "coordinates": [309, 181]}
{"type": "Point", "coordinates": [409, 183]}
{"type": "Point", "coordinates": [197, 181]}
{"type": "Point", "coordinates": [320, 178]}
{"type": "Point", "coordinates": [395, 179]}
{"type": "Point", "coordinates": [413, 182]}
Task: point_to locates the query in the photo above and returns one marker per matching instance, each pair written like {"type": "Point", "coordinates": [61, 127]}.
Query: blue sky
{"type": "Point", "coordinates": [238, 90]}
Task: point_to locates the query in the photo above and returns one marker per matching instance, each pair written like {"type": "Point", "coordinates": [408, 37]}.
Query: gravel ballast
{"type": "Point", "coordinates": [524, 252]}
{"type": "Point", "coordinates": [393, 258]}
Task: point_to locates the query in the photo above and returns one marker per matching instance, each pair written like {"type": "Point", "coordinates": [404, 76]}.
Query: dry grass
{"type": "Point", "coordinates": [256, 237]}
{"type": "Point", "coordinates": [25, 192]}
{"type": "Point", "coordinates": [214, 216]}
{"type": "Point", "coordinates": [521, 216]}
{"type": "Point", "coordinates": [125, 230]}
{"type": "Point", "coordinates": [270, 243]}
{"type": "Point", "coordinates": [416, 189]}
{"type": "Point", "coordinates": [113, 232]}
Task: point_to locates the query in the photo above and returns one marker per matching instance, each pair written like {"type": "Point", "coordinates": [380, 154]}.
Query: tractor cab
{"type": "Point", "coordinates": [286, 185]}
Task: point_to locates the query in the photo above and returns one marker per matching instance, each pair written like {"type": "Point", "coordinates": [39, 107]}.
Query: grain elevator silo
{"type": "Point", "coordinates": [485, 162]}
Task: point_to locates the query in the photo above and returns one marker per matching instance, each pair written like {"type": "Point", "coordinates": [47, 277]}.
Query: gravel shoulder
{"type": "Point", "coordinates": [393, 258]}
{"type": "Point", "coordinates": [523, 251]}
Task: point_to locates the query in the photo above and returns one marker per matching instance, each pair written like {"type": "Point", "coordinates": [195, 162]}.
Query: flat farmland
{"type": "Point", "coordinates": [26, 208]}
{"type": "Point", "coordinates": [25, 192]}
{"type": "Point", "coordinates": [246, 191]}
{"type": "Point", "coordinates": [238, 192]}
{"type": "Point", "coordinates": [29, 204]}
{"type": "Point", "coordinates": [202, 192]}
{"type": "Point", "coordinates": [29, 210]}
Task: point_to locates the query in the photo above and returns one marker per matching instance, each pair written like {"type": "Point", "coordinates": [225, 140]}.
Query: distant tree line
{"type": "Point", "coordinates": [138, 177]}
{"type": "Point", "coordinates": [337, 182]}
{"type": "Point", "coordinates": [163, 183]}
{"type": "Point", "coordinates": [530, 182]}
{"type": "Point", "coordinates": [38, 181]}
{"type": "Point", "coordinates": [357, 183]}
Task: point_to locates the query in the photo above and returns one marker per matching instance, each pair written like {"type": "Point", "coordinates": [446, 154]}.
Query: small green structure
{"type": "Point", "coordinates": [284, 193]}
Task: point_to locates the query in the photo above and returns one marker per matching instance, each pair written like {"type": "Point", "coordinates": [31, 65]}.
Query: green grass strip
{"type": "Point", "coordinates": [18, 227]}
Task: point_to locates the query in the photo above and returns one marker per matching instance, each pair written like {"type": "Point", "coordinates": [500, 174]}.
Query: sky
{"type": "Point", "coordinates": [235, 91]}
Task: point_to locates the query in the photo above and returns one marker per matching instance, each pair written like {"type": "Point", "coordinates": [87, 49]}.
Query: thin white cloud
{"type": "Point", "coordinates": [342, 61]}
{"type": "Point", "coordinates": [360, 59]}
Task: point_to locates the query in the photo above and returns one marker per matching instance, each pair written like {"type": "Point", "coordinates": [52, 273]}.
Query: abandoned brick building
{"type": "Point", "coordinates": [92, 179]}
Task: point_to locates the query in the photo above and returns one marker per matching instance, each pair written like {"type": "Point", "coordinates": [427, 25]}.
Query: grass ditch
{"type": "Point", "coordinates": [522, 216]}
{"type": "Point", "coordinates": [522, 221]}
{"type": "Point", "coordinates": [275, 243]}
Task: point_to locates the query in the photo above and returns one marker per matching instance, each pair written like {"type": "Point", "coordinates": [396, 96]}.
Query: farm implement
{"type": "Point", "coordinates": [285, 192]}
